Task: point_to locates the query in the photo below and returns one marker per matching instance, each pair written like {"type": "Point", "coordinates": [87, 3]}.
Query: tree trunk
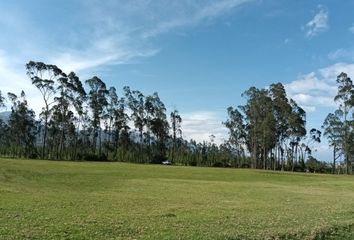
{"type": "Point", "coordinates": [100, 142]}
{"type": "Point", "coordinates": [334, 159]}
{"type": "Point", "coordinates": [117, 145]}
{"type": "Point", "coordinates": [141, 146]}
{"type": "Point", "coordinates": [45, 134]}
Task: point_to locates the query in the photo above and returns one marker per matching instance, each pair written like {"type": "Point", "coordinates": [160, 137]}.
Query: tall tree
{"type": "Point", "coordinates": [43, 76]}
{"type": "Point", "coordinates": [296, 131]}
{"type": "Point", "coordinates": [237, 132]}
{"type": "Point", "coordinates": [281, 110]}
{"type": "Point", "coordinates": [176, 121]}
{"type": "Point", "coordinates": [70, 98]}
{"type": "Point", "coordinates": [77, 98]}
{"type": "Point", "coordinates": [260, 125]}
{"type": "Point", "coordinates": [22, 126]}
{"type": "Point", "coordinates": [112, 105]}
{"type": "Point", "coordinates": [158, 124]}
{"type": "Point", "coordinates": [345, 99]}
{"type": "Point", "coordinates": [136, 103]}
{"type": "Point", "coordinates": [333, 130]}
{"type": "Point", "coordinates": [97, 102]}
{"type": "Point", "coordinates": [120, 124]}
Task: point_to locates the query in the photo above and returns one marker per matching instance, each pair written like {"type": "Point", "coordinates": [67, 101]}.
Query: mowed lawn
{"type": "Point", "coordinates": [85, 200]}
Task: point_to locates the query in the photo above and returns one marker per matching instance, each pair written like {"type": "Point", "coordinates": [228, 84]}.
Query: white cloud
{"type": "Point", "coordinates": [318, 24]}
{"type": "Point", "coordinates": [309, 83]}
{"type": "Point", "coordinates": [310, 102]}
{"type": "Point", "coordinates": [200, 125]}
{"type": "Point", "coordinates": [318, 89]}
{"type": "Point", "coordinates": [330, 73]}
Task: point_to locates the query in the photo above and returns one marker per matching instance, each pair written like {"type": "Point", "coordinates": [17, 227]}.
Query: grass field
{"type": "Point", "coordinates": [72, 200]}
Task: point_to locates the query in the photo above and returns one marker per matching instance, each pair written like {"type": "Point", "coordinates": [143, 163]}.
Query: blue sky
{"type": "Point", "coordinates": [199, 55]}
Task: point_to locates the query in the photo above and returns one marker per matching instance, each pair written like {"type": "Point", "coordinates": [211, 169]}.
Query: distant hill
{"type": "Point", "coordinates": [5, 116]}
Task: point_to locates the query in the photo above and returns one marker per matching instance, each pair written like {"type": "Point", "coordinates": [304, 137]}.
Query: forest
{"type": "Point", "coordinates": [89, 121]}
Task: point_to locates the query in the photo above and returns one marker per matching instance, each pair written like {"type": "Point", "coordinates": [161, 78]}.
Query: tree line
{"type": "Point", "coordinates": [90, 121]}
{"type": "Point", "coordinates": [339, 126]}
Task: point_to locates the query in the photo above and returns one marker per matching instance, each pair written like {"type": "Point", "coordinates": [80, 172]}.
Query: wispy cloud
{"type": "Point", "coordinates": [342, 54]}
{"type": "Point", "coordinates": [200, 14]}
{"type": "Point", "coordinates": [318, 24]}
{"type": "Point", "coordinates": [100, 34]}
{"type": "Point", "coordinates": [13, 79]}
{"type": "Point", "coordinates": [124, 30]}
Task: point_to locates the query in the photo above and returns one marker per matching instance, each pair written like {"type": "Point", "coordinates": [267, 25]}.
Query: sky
{"type": "Point", "coordinates": [199, 55]}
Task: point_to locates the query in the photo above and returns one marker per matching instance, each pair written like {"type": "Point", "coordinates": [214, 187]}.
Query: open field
{"type": "Point", "coordinates": [72, 200]}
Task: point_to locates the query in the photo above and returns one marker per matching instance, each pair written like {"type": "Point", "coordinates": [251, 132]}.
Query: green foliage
{"type": "Point", "coordinates": [21, 127]}
{"type": "Point", "coordinates": [271, 126]}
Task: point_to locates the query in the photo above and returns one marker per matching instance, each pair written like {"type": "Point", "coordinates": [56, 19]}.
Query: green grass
{"type": "Point", "coordinates": [72, 200]}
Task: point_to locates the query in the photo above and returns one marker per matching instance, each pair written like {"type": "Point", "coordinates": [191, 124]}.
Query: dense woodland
{"type": "Point", "coordinates": [90, 121]}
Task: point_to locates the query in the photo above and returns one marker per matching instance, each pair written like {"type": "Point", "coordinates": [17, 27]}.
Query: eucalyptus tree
{"type": "Point", "coordinates": [136, 104]}
{"type": "Point", "coordinates": [344, 97]}
{"type": "Point", "coordinates": [43, 77]}
{"type": "Point", "coordinates": [176, 121]}
{"type": "Point", "coordinates": [97, 100]}
{"type": "Point", "coordinates": [112, 105]}
{"type": "Point", "coordinates": [70, 98]}
{"type": "Point", "coordinates": [296, 130]}
{"type": "Point", "coordinates": [281, 111]}
{"type": "Point", "coordinates": [250, 109]}
{"type": "Point", "coordinates": [260, 125]}
{"type": "Point", "coordinates": [77, 93]}
{"type": "Point", "coordinates": [158, 124]}
{"type": "Point", "coordinates": [77, 97]}
{"type": "Point", "coordinates": [22, 126]}
{"type": "Point", "coordinates": [236, 130]}
{"type": "Point", "coordinates": [61, 114]}
{"type": "Point", "coordinates": [268, 128]}
{"type": "Point", "coordinates": [333, 131]}
{"type": "Point", "coordinates": [150, 111]}
{"type": "Point", "coordinates": [120, 127]}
